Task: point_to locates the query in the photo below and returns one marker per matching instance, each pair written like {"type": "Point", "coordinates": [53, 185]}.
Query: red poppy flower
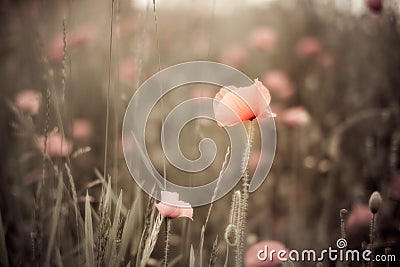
{"type": "Point", "coordinates": [235, 105]}
{"type": "Point", "coordinates": [171, 207]}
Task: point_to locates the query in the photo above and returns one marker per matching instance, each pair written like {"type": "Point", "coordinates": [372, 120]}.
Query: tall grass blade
{"type": "Point", "coordinates": [110, 252]}
{"type": "Point", "coordinates": [104, 223]}
{"type": "Point", "coordinates": [3, 247]}
{"type": "Point", "coordinates": [75, 201]}
{"type": "Point", "coordinates": [175, 261]}
{"type": "Point", "coordinates": [89, 241]}
{"type": "Point", "coordinates": [203, 229]}
{"type": "Point", "coordinates": [148, 224]}
{"type": "Point", "coordinates": [214, 253]}
{"type": "Point", "coordinates": [151, 240]}
{"type": "Point", "coordinates": [138, 219]}
{"type": "Point", "coordinates": [192, 259]}
{"type": "Point", "coordinates": [114, 197]}
{"type": "Point", "coordinates": [128, 230]}
{"type": "Point", "coordinates": [54, 219]}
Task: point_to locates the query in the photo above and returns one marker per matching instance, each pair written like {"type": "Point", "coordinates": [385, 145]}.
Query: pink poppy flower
{"type": "Point", "coordinates": [360, 215]}
{"type": "Point", "coordinates": [81, 129]}
{"type": "Point", "coordinates": [171, 207]}
{"type": "Point", "coordinates": [326, 60]}
{"type": "Point", "coordinates": [277, 109]}
{"type": "Point", "coordinates": [234, 55]}
{"type": "Point", "coordinates": [127, 71]}
{"type": "Point", "coordinates": [200, 45]}
{"type": "Point", "coordinates": [375, 5]}
{"type": "Point", "coordinates": [233, 104]}
{"type": "Point", "coordinates": [278, 82]}
{"type": "Point", "coordinates": [29, 101]}
{"type": "Point", "coordinates": [258, 255]}
{"type": "Point", "coordinates": [396, 188]}
{"type": "Point", "coordinates": [263, 38]}
{"type": "Point", "coordinates": [296, 116]}
{"type": "Point", "coordinates": [308, 47]}
{"type": "Point", "coordinates": [56, 145]}
{"type": "Point", "coordinates": [128, 27]}
{"type": "Point", "coordinates": [75, 39]}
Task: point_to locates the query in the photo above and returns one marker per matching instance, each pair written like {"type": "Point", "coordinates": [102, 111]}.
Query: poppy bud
{"type": "Point", "coordinates": [375, 202]}
{"type": "Point", "coordinates": [375, 5]}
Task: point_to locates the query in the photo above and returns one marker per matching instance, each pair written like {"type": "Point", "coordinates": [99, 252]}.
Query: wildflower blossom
{"type": "Point", "coordinates": [234, 55]}
{"type": "Point", "coordinates": [263, 38]}
{"type": "Point", "coordinates": [75, 39]}
{"type": "Point", "coordinates": [278, 82]}
{"type": "Point", "coordinates": [235, 105]}
{"type": "Point", "coordinates": [375, 5]}
{"type": "Point", "coordinates": [81, 129]}
{"type": "Point", "coordinates": [360, 215]}
{"type": "Point", "coordinates": [171, 207]}
{"type": "Point", "coordinates": [56, 146]}
{"type": "Point", "coordinates": [29, 101]}
{"type": "Point", "coordinates": [308, 47]}
{"type": "Point", "coordinates": [296, 116]}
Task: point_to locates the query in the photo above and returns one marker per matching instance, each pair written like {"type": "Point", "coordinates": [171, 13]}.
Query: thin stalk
{"type": "Point", "coordinates": [167, 234]}
{"type": "Point", "coordinates": [371, 236]}
{"type": "Point", "coordinates": [161, 90]}
{"type": "Point", "coordinates": [211, 28]}
{"type": "Point", "coordinates": [217, 185]}
{"type": "Point", "coordinates": [227, 256]}
{"type": "Point", "coordinates": [108, 90]}
{"type": "Point", "coordinates": [245, 195]}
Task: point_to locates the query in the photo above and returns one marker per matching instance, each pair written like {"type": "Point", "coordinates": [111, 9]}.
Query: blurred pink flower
{"type": "Point", "coordinates": [29, 101]}
{"type": "Point", "coordinates": [308, 47]}
{"type": "Point", "coordinates": [251, 258]}
{"type": "Point", "coordinates": [234, 55]}
{"type": "Point", "coordinates": [56, 145]}
{"type": "Point", "coordinates": [127, 27]}
{"type": "Point", "coordinates": [360, 215]}
{"type": "Point", "coordinates": [295, 116]}
{"type": "Point", "coordinates": [81, 129]}
{"type": "Point", "coordinates": [396, 188]}
{"type": "Point", "coordinates": [263, 38]}
{"type": "Point", "coordinates": [278, 82]}
{"type": "Point", "coordinates": [171, 207]}
{"type": "Point", "coordinates": [326, 60]}
{"type": "Point", "coordinates": [127, 71]}
{"type": "Point", "coordinates": [200, 45]}
{"type": "Point", "coordinates": [234, 104]}
{"type": "Point", "coordinates": [75, 39]}
{"type": "Point", "coordinates": [277, 109]}
{"type": "Point", "coordinates": [375, 5]}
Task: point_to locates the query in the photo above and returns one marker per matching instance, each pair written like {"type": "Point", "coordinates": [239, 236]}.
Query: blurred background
{"type": "Point", "coordinates": [69, 68]}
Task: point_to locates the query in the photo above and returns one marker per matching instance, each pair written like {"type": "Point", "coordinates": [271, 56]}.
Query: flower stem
{"type": "Point", "coordinates": [245, 196]}
{"type": "Point", "coordinates": [167, 232]}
